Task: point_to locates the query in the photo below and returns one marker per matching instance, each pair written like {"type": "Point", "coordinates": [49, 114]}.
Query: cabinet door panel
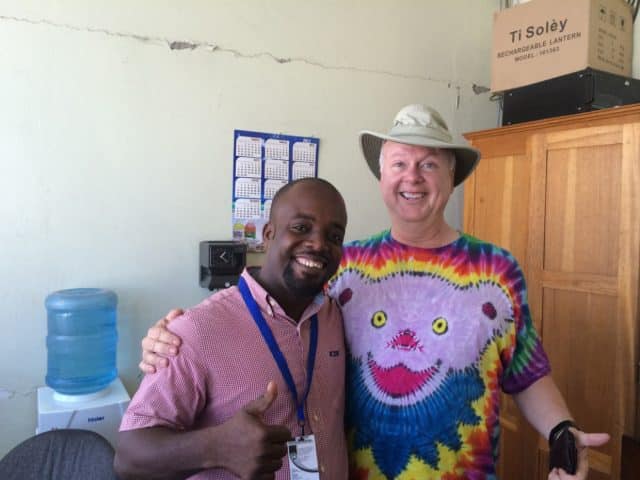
{"type": "Point", "coordinates": [580, 339]}
{"type": "Point", "coordinates": [582, 210]}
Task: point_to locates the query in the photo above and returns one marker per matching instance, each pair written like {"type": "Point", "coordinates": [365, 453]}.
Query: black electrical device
{"type": "Point", "coordinates": [578, 92]}
{"type": "Point", "coordinates": [221, 263]}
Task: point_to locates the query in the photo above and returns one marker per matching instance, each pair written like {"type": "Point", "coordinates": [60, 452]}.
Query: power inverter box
{"type": "Point", "coordinates": [544, 39]}
{"type": "Point", "coordinates": [577, 92]}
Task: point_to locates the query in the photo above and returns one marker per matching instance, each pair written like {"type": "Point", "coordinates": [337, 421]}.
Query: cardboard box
{"type": "Point", "coordinates": [544, 39]}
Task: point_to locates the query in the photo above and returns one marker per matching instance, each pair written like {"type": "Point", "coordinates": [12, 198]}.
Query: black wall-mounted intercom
{"type": "Point", "coordinates": [221, 263]}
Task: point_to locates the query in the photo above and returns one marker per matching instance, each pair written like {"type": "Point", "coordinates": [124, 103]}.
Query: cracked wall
{"type": "Point", "coordinates": [116, 138]}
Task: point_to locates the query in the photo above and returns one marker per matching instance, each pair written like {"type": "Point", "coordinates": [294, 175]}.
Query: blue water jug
{"type": "Point", "coordinates": [81, 340]}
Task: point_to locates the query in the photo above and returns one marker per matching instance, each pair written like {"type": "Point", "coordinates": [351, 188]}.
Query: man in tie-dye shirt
{"type": "Point", "coordinates": [437, 324]}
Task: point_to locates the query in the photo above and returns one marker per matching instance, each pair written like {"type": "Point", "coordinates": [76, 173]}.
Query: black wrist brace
{"type": "Point", "coordinates": [562, 447]}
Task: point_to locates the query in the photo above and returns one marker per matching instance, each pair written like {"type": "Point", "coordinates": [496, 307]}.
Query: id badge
{"type": "Point", "coordinates": [303, 458]}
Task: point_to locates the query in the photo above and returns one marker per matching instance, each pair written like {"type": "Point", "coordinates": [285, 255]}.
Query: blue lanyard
{"type": "Point", "coordinates": [267, 334]}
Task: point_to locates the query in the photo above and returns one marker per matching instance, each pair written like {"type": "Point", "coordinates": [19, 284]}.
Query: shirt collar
{"type": "Point", "coordinates": [269, 304]}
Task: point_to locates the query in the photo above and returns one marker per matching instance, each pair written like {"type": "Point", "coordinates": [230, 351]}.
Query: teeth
{"type": "Point", "coordinates": [309, 263]}
{"type": "Point", "coordinates": [412, 196]}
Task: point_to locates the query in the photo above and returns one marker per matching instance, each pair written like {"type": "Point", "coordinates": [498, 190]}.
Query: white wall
{"type": "Point", "coordinates": [116, 151]}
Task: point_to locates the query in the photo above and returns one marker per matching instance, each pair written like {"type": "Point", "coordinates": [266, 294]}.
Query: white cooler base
{"type": "Point", "coordinates": [100, 412]}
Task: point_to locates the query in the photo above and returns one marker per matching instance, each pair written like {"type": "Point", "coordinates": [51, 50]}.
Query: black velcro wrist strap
{"type": "Point", "coordinates": [558, 429]}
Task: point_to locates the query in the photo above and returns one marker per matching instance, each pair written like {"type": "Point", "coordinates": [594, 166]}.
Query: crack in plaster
{"type": "Point", "coordinates": [188, 45]}
{"type": "Point", "coordinates": [7, 394]}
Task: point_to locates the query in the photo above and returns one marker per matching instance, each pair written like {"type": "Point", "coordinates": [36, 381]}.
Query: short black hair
{"type": "Point", "coordinates": [312, 180]}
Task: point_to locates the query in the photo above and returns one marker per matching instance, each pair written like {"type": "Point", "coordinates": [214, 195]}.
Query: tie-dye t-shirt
{"type": "Point", "coordinates": [433, 335]}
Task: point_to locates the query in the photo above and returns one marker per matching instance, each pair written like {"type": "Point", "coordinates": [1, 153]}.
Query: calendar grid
{"type": "Point", "coordinates": [262, 164]}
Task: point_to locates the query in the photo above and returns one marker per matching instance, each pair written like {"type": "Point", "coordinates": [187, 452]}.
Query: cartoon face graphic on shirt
{"type": "Point", "coordinates": [410, 333]}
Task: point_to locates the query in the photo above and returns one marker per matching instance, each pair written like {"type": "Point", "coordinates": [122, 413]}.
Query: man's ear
{"type": "Point", "coordinates": [268, 231]}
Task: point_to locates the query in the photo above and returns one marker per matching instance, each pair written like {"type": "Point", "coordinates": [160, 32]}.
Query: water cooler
{"type": "Point", "coordinates": [83, 390]}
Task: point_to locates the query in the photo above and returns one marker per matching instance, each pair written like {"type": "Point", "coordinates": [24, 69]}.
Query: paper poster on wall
{"type": "Point", "coordinates": [262, 164]}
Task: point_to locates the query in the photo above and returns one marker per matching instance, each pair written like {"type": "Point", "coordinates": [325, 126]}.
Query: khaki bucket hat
{"type": "Point", "coordinates": [421, 126]}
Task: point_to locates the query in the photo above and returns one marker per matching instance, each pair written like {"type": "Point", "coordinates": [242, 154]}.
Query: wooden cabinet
{"type": "Point", "coordinates": [563, 195]}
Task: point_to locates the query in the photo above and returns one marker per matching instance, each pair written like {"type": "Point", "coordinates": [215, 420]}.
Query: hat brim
{"type": "Point", "coordinates": [466, 157]}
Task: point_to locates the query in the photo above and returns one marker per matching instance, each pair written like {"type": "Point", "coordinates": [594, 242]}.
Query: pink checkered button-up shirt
{"type": "Point", "coordinates": [224, 363]}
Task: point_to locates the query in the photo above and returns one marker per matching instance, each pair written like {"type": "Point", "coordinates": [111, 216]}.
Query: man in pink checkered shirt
{"type": "Point", "coordinates": [222, 409]}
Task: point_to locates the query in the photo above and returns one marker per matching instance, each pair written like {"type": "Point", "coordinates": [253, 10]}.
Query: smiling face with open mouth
{"type": "Point", "coordinates": [415, 182]}
{"type": "Point", "coordinates": [307, 271]}
{"type": "Point", "coordinates": [304, 241]}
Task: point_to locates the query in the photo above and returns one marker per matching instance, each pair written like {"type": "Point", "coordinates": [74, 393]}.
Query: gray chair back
{"type": "Point", "coordinates": [60, 454]}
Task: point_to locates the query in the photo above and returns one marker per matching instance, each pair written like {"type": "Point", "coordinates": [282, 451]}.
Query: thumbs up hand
{"type": "Point", "coordinates": [261, 404]}
{"type": "Point", "coordinates": [250, 448]}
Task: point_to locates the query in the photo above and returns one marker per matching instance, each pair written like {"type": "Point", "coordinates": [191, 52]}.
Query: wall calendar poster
{"type": "Point", "coordinates": [262, 164]}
